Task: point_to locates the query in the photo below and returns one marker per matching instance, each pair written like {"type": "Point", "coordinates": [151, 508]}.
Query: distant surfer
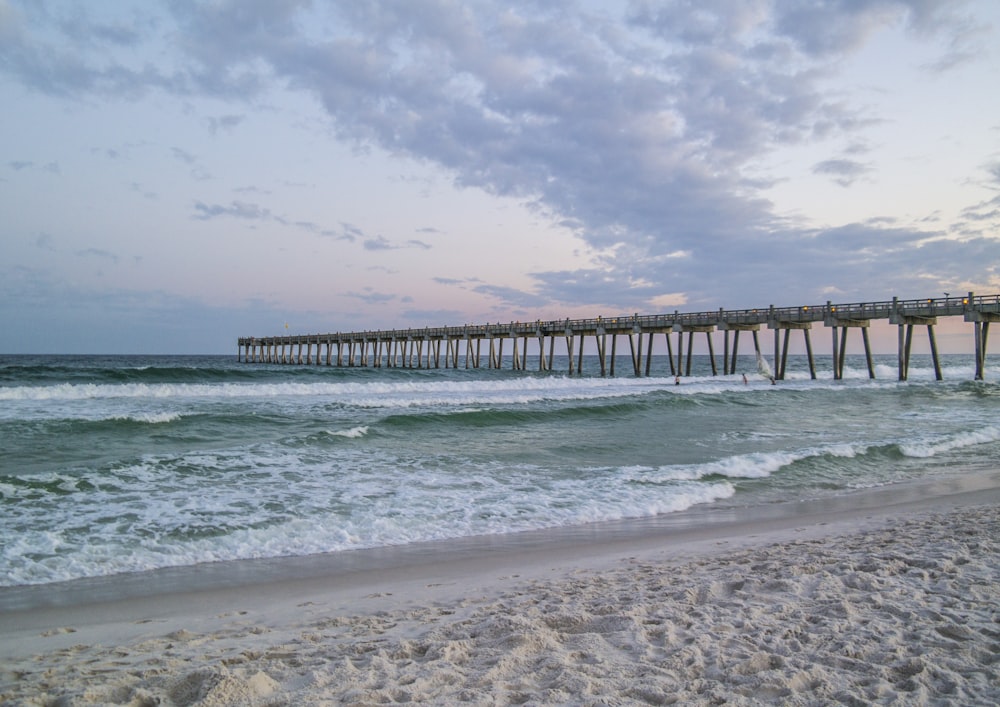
{"type": "Point", "coordinates": [745, 381]}
{"type": "Point", "coordinates": [677, 380]}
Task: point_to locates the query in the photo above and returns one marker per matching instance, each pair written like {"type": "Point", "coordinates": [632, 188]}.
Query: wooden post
{"type": "Point", "coordinates": [680, 351]}
{"type": "Point", "coordinates": [980, 367]}
{"type": "Point", "coordinates": [985, 337]}
{"type": "Point", "coordinates": [690, 351]}
{"type": "Point", "coordinates": [784, 355]}
{"type": "Point", "coordinates": [836, 359]}
{"type": "Point", "coordinates": [809, 354]}
{"type": "Point", "coordinates": [777, 361]}
{"type": "Point", "coordinates": [934, 352]}
{"type": "Point", "coordinates": [631, 346]}
{"type": "Point", "coordinates": [843, 350]}
{"type": "Point", "coordinates": [868, 353]}
{"type": "Point", "coordinates": [725, 352]}
{"type": "Point", "coordinates": [901, 346]}
{"type": "Point", "coordinates": [736, 347]}
{"type": "Point", "coordinates": [711, 353]}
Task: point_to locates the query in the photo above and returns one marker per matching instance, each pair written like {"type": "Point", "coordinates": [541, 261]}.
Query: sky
{"type": "Point", "coordinates": [174, 175]}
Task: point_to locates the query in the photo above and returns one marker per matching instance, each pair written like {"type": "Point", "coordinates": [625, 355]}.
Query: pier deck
{"type": "Point", "coordinates": [463, 345]}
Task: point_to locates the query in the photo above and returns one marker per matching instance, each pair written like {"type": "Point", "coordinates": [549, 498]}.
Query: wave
{"type": "Point", "coordinates": [150, 418]}
{"type": "Point", "coordinates": [352, 433]}
{"type": "Point", "coordinates": [364, 394]}
{"type": "Point", "coordinates": [947, 443]}
{"type": "Point", "coordinates": [758, 465]}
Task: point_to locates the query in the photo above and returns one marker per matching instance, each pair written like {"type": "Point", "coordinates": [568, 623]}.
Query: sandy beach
{"type": "Point", "coordinates": [889, 597]}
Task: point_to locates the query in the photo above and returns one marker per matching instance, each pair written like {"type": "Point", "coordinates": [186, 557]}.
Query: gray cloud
{"type": "Point", "coordinates": [236, 209]}
{"type": "Point", "coordinates": [99, 253]}
{"type": "Point", "coordinates": [250, 211]}
{"type": "Point", "coordinates": [378, 243]}
{"type": "Point", "coordinates": [639, 135]}
{"type": "Point", "coordinates": [370, 296]}
{"type": "Point", "coordinates": [512, 296]}
{"type": "Point", "coordinates": [383, 243]}
{"type": "Point", "coordinates": [223, 123]}
{"type": "Point", "coordinates": [843, 171]}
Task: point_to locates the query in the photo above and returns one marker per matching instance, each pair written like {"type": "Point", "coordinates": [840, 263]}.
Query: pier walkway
{"type": "Point", "coordinates": [463, 345]}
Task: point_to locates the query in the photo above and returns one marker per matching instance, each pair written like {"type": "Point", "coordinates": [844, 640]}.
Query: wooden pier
{"type": "Point", "coordinates": [464, 345]}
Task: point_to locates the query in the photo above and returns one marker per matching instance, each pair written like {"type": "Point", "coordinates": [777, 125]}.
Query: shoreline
{"type": "Point", "coordinates": [698, 523]}
{"type": "Point", "coordinates": [461, 602]}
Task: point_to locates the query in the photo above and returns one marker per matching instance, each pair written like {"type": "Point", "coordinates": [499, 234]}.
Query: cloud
{"type": "Point", "coordinates": [370, 296]}
{"type": "Point", "coordinates": [351, 232]}
{"type": "Point", "coordinates": [225, 123]}
{"type": "Point", "coordinates": [378, 243]}
{"type": "Point", "coordinates": [65, 51]}
{"type": "Point", "coordinates": [641, 134]}
{"type": "Point", "coordinates": [383, 243]}
{"type": "Point", "coordinates": [236, 209]}
{"type": "Point", "coordinates": [99, 253]}
{"type": "Point", "coordinates": [251, 211]}
{"type": "Point", "coordinates": [431, 317]}
{"type": "Point", "coordinates": [844, 172]}
{"type": "Point", "coordinates": [23, 165]}
{"type": "Point", "coordinates": [512, 296]}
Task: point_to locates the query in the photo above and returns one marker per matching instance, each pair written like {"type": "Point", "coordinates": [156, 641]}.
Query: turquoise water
{"type": "Point", "coordinates": [120, 464]}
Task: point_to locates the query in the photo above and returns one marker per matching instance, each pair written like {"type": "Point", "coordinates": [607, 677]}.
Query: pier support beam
{"type": "Point", "coordinates": [981, 319]}
{"type": "Point", "coordinates": [636, 351]}
{"type": "Point", "coordinates": [905, 340]}
{"type": "Point", "coordinates": [541, 349]}
{"type": "Point", "coordinates": [781, 359]}
{"type": "Point", "coordinates": [982, 333]}
{"type": "Point", "coordinates": [736, 329]}
{"type": "Point", "coordinates": [691, 330]}
{"type": "Point", "coordinates": [835, 321]}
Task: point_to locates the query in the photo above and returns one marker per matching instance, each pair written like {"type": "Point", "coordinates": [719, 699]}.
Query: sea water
{"type": "Point", "coordinates": [112, 464]}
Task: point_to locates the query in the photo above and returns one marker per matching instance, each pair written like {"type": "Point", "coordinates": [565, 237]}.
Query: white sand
{"type": "Point", "coordinates": [894, 605]}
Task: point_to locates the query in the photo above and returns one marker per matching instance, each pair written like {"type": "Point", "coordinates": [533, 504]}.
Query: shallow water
{"type": "Point", "coordinates": [116, 464]}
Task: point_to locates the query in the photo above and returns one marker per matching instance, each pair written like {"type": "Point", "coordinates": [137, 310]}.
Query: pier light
{"type": "Point", "coordinates": [965, 300]}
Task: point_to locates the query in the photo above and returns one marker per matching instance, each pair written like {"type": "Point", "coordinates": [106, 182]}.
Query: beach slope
{"type": "Point", "coordinates": [869, 601]}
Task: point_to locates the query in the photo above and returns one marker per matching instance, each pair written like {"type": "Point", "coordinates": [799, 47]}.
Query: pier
{"type": "Point", "coordinates": [465, 345]}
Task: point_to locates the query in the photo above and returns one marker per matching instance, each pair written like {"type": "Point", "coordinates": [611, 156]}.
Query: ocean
{"type": "Point", "coordinates": [120, 464]}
